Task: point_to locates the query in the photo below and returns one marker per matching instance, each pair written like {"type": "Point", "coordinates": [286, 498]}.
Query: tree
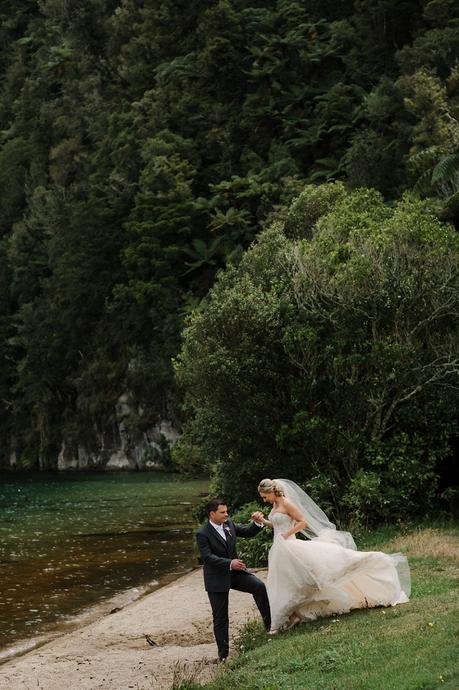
{"type": "Point", "coordinates": [378, 292]}
{"type": "Point", "coordinates": [332, 357]}
{"type": "Point", "coordinates": [235, 372]}
{"type": "Point", "coordinates": [143, 147]}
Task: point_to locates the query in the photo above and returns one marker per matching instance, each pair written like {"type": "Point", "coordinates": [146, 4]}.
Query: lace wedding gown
{"type": "Point", "coordinates": [318, 578]}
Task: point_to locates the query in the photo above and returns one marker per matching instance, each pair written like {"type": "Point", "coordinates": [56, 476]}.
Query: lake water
{"type": "Point", "coordinates": [71, 541]}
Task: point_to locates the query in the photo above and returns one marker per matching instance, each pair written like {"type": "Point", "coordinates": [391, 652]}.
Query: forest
{"type": "Point", "coordinates": [239, 217]}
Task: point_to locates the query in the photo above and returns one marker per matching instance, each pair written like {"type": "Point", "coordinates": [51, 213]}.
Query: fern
{"type": "Point", "coordinates": [446, 169]}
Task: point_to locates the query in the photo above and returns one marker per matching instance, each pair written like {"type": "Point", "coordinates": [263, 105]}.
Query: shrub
{"type": "Point", "coordinates": [254, 551]}
{"type": "Point", "coordinates": [332, 359]}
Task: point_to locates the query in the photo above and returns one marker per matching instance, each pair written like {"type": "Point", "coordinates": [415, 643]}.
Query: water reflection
{"type": "Point", "coordinates": [68, 541]}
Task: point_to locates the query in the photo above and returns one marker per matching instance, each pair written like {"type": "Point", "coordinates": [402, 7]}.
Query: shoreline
{"type": "Point", "coordinates": [110, 652]}
{"type": "Point", "coordinates": [85, 616]}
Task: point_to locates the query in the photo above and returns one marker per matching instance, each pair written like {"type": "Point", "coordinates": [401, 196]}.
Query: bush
{"type": "Point", "coordinates": [333, 359]}
{"type": "Point", "coordinates": [187, 458]}
{"type": "Point", "coordinates": [254, 551]}
{"type": "Point", "coordinates": [313, 202]}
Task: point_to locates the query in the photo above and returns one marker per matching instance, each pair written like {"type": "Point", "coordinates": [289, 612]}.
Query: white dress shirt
{"type": "Point", "coordinates": [219, 529]}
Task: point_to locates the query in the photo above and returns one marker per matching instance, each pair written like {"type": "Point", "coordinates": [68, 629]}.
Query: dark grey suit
{"type": "Point", "coordinates": [216, 555]}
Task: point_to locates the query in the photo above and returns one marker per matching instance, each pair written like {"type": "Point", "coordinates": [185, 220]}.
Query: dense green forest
{"type": "Point", "coordinates": [145, 145]}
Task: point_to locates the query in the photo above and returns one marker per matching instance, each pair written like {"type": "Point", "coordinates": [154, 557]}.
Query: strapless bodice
{"type": "Point", "coordinates": [281, 523]}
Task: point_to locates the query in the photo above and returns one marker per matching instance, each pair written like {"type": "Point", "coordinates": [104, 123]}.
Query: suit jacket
{"type": "Point", "coordinates": [217, 554]}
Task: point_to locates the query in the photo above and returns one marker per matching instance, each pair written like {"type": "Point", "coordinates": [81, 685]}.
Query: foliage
{"type": "Point", "coordinates": [187, 458]}
{"type": "Point", "coordinates": [434, 155]}
{"type": "Point", "coordinates": [332, 359]}
{"type": "Point", "coordinates": [142, 150]}
{"type": "Point", "coordinates": [238, 339]}
{"type": "Point", "coordinates": [312, 203]}
{"type": "Point", "coordinates": [254, 551]}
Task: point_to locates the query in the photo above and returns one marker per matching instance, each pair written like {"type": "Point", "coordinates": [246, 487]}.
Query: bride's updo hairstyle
{"type": "Point", "coordinates": [269, 486]}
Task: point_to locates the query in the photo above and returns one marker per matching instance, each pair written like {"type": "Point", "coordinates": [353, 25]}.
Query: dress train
{"type": "Point", "coordinates": [319, 578]}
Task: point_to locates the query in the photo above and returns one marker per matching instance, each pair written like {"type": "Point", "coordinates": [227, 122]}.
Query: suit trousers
{"type": "Point", "coordinates": [243, 582]}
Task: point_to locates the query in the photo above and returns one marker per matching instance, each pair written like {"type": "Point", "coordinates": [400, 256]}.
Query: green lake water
{"type": "Point", "coordinates": [71, 541]}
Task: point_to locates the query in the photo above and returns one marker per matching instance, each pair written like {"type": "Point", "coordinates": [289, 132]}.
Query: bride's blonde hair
{"type": "Point", "coordinates": [269, 486]}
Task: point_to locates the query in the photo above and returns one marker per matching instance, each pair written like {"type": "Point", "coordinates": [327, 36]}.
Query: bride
{"type": "Point", "coordinates": [326, 575]}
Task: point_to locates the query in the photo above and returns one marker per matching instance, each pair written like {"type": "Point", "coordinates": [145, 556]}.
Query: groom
{"type": "Point", "coordinates": [224, 571]}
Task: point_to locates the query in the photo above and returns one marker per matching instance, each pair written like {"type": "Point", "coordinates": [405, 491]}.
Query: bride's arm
{"type": "Point", "coordinates": [299, 523]}
{"type": "Point", "coordinates": [259, 517]}
{"type": "Point", "coordinates": [267, 523]}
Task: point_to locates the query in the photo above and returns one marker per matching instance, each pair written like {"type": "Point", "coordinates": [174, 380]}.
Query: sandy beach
{"type": "Point", "coordinates": [112, 653]}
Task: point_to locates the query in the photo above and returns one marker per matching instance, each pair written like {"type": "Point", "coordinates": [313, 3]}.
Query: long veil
{"type": "Point", "coordinates": [318, 524]}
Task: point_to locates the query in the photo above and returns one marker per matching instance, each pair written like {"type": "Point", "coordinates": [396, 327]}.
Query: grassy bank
{"type": "Point", "coordinates": [409, 647]}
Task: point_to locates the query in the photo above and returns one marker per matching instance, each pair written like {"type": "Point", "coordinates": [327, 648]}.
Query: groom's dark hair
{"type": "Point", "coordinates": [213, 504]}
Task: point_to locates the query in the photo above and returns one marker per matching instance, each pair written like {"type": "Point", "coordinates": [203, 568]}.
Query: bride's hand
{"type": "Point", "coordinates": [285, 535]}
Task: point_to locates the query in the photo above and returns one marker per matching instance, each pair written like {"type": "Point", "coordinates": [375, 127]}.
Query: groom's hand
{"type": "Point", "coordinates": [236, 564]}
{"type": "Point", "coordinates": [258, 516]}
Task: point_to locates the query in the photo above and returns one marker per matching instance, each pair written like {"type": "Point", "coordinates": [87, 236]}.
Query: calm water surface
{"type": "Point", "coordinates": [68, 541]}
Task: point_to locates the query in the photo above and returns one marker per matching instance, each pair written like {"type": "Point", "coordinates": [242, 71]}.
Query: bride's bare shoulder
{"type": "Point", "coordinates": [288, 505]}
{"type": "Point", "coordinates": [292, 509]}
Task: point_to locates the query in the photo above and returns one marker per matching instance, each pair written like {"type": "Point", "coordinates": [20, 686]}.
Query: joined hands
{"type": "Point", "coordinates": [258, 516]}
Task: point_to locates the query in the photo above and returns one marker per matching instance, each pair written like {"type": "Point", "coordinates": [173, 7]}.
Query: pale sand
{"type": "Point", "coordinates": [112, 653]}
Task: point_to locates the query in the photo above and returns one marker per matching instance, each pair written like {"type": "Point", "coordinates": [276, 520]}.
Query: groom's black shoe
{"type": "Point", "coordinates": [222, 659]}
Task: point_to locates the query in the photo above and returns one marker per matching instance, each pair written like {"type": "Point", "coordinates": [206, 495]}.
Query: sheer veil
{"type": "Point", "coordinates": [318, 524]}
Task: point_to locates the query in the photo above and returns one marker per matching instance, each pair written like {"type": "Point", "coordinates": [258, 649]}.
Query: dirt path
{"type": "Point", "coordinates": [112, 653]}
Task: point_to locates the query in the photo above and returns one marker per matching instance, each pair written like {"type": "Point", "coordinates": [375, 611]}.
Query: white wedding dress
{"type": "Point", "coordinates": [318, 577]}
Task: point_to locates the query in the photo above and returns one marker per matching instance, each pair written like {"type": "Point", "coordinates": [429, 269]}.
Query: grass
{"type": "Point", "coordinates": [409, 647]}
